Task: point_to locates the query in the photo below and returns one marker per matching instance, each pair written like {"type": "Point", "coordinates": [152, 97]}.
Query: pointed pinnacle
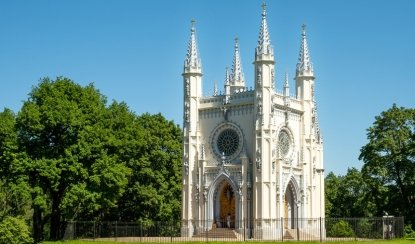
{"type": "Point", "coordinates": [192, 56]}
{"type": "Point", "coordinates": [264, 41]}
{"type": "Point", "coordinates": [304, 64]}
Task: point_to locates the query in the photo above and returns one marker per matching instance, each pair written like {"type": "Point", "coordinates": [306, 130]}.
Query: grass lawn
{"type": "Point", "coordinates": [396, 241]}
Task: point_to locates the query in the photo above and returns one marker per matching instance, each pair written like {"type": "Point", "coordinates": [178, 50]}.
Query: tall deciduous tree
{"type": "Point", "coordinates": [347, 196]}
{"type": "Point", "coordinates": [75, 158]}
{"type": "Point", "coordinates": [62, 129]}
{"type": "Point", "coordinates": [14, 190]}
{"type": "Point", "coordinates": [154, 189]}
{"type": "Point", "coordinates": [389, 159]}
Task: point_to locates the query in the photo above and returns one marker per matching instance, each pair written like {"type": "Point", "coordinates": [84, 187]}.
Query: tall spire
{"type": "Point", "coordinates": [192, 57]}
{"type": "Point", "coordinates": [304, 65]}
{"type": "Point", "coordinates": [237, 76]}
{"type": "Point", "coordinates": [264, 41]}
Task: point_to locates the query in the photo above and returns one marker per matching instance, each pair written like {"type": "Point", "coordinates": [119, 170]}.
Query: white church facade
{"type": "Point", "coordinates": [252, 158]}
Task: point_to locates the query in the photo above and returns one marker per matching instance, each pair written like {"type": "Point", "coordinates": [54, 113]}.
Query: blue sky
{"type": "Point", "coordinates": [133, 51]}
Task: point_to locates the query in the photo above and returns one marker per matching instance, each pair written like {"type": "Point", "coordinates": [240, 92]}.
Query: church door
{"type": "Point", "coordinates": [225, 215]}
{"type": "Point", "coordinates": [290, 208]}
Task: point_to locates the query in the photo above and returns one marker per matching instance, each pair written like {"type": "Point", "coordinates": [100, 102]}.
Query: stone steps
{"type": "Point", "coordinates": [218, 233]}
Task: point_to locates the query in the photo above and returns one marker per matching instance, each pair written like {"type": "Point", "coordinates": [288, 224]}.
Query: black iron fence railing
{"type": "Point", "coordinates": [283, 229]}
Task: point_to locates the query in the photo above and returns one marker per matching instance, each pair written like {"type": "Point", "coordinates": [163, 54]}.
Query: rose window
{"type": "Point", "coordinates": [228, 142]}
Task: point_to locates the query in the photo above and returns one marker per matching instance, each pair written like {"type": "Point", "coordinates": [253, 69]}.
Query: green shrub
{"type": "Point", "coordinates": [409, 232]}
{"type": "Point", "coordinates": [341, 229]}
{"type": "Point", "coordinates": [14, 230]}
{"type": "Point", "coordinates": [363, 229]}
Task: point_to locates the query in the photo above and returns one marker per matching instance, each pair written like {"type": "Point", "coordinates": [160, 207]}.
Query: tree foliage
{"type": "Point", "coordinates": [70, 156]}
{"type": "Point", "coordinates": [389, 162]}
{"type": "Point", "coordinates": [346, 196]}
{"type": "Point", "coordinates": [386, 183]}
{"type": "Point", "coordinates": [14, 190]}
{"type": "Point", "coordinates": [154, 190]}
{"type": "Point", "coordinates": [14, 231]}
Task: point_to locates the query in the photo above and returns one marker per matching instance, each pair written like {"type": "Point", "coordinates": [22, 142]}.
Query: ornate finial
{"type": "Point", "coordinates": [192, 57]}
{"type": "Point", "coordinates": [227, 76]}
{"type": "Point", "coordinates": [286, 79]}
{"type": "Point", "coordinates": [237, 76]}
{"type": "Point", "coordinates": [227, 91]}
{"type": "Point", "coordinates": [303, 27]}
{"type": "Point", "coordinates": [215, 89]}
{"type": "Point", "coordinates": [286, 92]}
{"type": "Point", "coordinates": [264, 42]}
{"type": "Point", "coordinates": [193, 22]}
{"type": "Point", "coordinates": [304, 65]}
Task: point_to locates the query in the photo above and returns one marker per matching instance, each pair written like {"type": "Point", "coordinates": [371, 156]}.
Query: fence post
{"type": "Point", "coordinates": [321, 231]}
{"type": "Point", "coordinates": [245, 224]}
{"type": "Point", "coordinates": [94, 230]}
{"type": "Point", "coordinates": [298, 229]}
{"type": "Point", "coordinates": [171, 231]}
{"type": "Point", "coordinates": [355, 229]}
{"type": "Point", "coordinates": [141, 231]}
{"type": "Point", "coordinates": [206, 231]}
{"type": "Point", "coordinates": [282, 229]}
{"type": "Point", "coordinates": [116, 231]}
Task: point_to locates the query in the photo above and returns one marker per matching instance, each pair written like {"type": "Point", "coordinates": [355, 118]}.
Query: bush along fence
{"type": "Point", "coordinates": [300, 229]}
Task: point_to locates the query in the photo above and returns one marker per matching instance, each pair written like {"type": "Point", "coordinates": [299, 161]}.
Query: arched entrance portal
{"type": "Point", "coordinates": [225, 206]}
{"type": "Point", "coordinates": [290, 206]}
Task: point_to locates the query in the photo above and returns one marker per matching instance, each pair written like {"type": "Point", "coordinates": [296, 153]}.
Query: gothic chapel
{"type": "Point", "coordinates": [252, 159]}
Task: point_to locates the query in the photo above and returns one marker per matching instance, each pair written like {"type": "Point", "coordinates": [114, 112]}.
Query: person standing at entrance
{"type": "Point", "coordinates": [228, 220]}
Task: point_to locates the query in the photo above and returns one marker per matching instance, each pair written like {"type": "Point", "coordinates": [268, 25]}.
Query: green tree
{"type": "Point", "coordinates": [14, 190]}
{"type": "Point", "coordinates": [331, 186]}
{"type": "Point", "coordinates": [346, 196]}
{"type": "Point", "coordinates": [62, 130]}
{"type": "Point", "coordinates": [14, 231]}
{"type": "Point", "coordinates": [154, 189]}
{"type": "Point", "coordinates": [353, 193]}
{"type": "Point", "coordinates": [66, 155]}
{"type": "Point", "coordinates": [389, 160]}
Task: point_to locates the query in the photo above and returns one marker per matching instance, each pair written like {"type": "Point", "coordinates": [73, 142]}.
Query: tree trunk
{"type": "Point", "coordinates": [37, 224]}
{"type": "Point", "coordinates": [55, 218]}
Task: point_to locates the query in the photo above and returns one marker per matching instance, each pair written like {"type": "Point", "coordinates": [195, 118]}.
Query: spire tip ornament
{"type": "Point", "coordinates": [264, 9]}
{"type": "Point", "coordinates": [303, 27]}
{"type": "Point", "coordinates": [192, 22]}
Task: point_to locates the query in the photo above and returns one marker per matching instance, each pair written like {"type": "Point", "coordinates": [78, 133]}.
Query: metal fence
{"type": "Point", "coordinates": [300, 229]}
